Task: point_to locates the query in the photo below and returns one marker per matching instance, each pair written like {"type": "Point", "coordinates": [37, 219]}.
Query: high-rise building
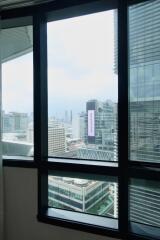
{"type": "Point", "coordinates": [144, 104]}
{"type": "Point", "coordinates": [144, 81]}
{"type": "Point", "coordinates": [82, 117]}
{"type": "Point", "coordinates": [56, 138]}
{"type": "Point", "coordinates": [100, 131]}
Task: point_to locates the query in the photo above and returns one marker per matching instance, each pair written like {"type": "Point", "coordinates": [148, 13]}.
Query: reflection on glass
{"type": "Point", "coordinates": [17, 91]}
{"type": "Point", "coordinates": [82, 88]}
{"type": "Point", "coordinates": [144, 65]}
{"type": "Point", "coordinates": [145, 202]}
{"type": "Point", "coordinates": [82, 195]}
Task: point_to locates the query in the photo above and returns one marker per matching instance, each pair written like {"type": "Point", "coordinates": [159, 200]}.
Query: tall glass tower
{"type": "Point", "coordinates": [144, 63]}
{"type": "Point", "coordinates": [144, 106]}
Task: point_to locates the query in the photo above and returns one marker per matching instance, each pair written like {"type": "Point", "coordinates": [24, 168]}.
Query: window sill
{"type": "Point", "coordinates": [19, 161]}
{"type": "Point", "coordinates": [81, 161]}
{"type": "Point", "coordinates": [106, 168]}
{"type": "Point", "coordinates": [80, 221]}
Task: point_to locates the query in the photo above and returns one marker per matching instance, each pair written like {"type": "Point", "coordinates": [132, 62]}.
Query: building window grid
{"type": "Point", "coordinates": [148, 174]}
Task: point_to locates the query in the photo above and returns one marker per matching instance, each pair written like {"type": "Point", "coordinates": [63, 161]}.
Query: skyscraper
{"type": "Point", "coordinates": [144, 104]}
{"type": "Point", "coordinates": [100, 131]}
{"type": "Point", "coordinates": [144, 107]}
{"type": "Point", "coordinates": [144, 23]}
{"type": "Point", "coordinates": [56, 138]}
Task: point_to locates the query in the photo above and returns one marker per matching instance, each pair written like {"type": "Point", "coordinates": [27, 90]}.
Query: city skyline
{"type": "Point", "coordinates": [81, 67]}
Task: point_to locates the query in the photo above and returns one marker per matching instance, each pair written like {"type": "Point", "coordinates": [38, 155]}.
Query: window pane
{"type": "Point", "coordinates": [17, 91]}
{"type": "Point", "coordinates": [144, 54]}
{"type": "Point", "coordinates": [82, 87]}
{"type": "Point", "coordinates": [145, 206]}
{"type": "Point", "coordinates": [91, 196]}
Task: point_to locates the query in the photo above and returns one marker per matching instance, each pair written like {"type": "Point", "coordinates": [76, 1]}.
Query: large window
{"type": "Point", "coordinates": [96, 117]}
{"type": "Point", "coordinates": [83, 87]}
{"type": "Point", "coordinates": [85, 194]}
{"type": "Point", "coordinates": [82, 116]}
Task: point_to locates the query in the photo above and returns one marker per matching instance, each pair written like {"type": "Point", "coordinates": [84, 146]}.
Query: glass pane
{"type": "Point", "coordinates": [89, 196]}
{"type": "Point", "coordinates": [144, 66]}
{"type": "Point", "coordinates": [145, 206]}
{"type": "Point", "coordinates": [82, 87]}
{"type": "Point", "coordinates": [17, 91]}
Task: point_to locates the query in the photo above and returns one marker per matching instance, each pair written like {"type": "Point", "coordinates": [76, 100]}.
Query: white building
{"type": "Point", "coordinates": [56, 138]}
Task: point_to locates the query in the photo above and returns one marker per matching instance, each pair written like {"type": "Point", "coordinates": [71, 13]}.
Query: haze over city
{"type": "Point", "coordinates": [80, 67]}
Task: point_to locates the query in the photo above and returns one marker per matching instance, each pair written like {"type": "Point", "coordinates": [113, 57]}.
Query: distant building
{"type": "Point", "coordinates": [30, 135]}
{"type": "Point", "coordinates": [100, 131]}
{"type": "Point", "coordinates": [68, 116]}
{"type": "Point", "coordinates": [76, 126]}
{"type": "Point", "coordinates": [14, 122]}
{"type": "Point", "coordinates": [82, 117]}
{"type": "Point", "coordinates": [56, 138]}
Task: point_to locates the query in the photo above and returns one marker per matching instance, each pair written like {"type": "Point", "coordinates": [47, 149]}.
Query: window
{"type": "Point", "coordinates": [82, 117]}
{"type": "Point", "coordinates": [17, 91]}
{"type": "Point", "coordinates": [82, 87]}
{"type": "Point", "coordinates": [96, 116]}
{"type": "Point", "coordinates": [85, 194]}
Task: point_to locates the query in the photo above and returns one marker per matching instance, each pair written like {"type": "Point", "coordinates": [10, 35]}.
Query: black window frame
{"type": "Point", "coordinates": [126, 169]}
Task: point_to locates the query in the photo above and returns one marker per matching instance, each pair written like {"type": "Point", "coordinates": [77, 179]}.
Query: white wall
{"type": "Point", "coordinates": [20, 197]}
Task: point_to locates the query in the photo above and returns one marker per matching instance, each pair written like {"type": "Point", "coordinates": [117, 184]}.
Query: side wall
{"type": "Point", "coordinates": [20, 197]}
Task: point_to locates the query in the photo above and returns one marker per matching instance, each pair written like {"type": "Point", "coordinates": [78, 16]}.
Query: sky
{"type": "Point", "coordinates": [80, 67]}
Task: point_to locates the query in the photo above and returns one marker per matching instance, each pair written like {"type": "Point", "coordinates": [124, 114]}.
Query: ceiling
{"type": "Point", "coordinates": [16, 42]}
{"type": "Point", "coordinates": [10, 4]}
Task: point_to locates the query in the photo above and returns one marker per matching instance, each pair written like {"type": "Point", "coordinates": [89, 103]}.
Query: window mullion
{"type": "Point", "coordinates": [123, 116]}
{"type": "Point", "coordinates": [40, 105]}
{"type": "Point", "coordinates": [40, 88]}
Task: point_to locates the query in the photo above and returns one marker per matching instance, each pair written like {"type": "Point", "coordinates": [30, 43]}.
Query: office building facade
{"type": "Point", "coordinates": [144, 63]}
{"type": "Point", "coordinates": [100, 131]}
{"type": "Point", "coordinates": [56, 138]}
{"type": "Point", "coordinates": [144, 106]}
{"type": "Point", "coordinates": [89, 196]}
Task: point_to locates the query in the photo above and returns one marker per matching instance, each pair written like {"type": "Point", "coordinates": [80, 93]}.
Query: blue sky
{"type": "Point", "coordinates": [80, 67]}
